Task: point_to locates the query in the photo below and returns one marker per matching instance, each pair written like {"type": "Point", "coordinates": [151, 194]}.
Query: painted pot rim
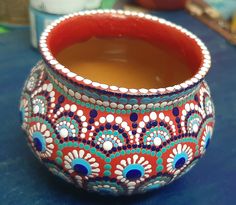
{"type": "Point", "coordinates": [73, 77]}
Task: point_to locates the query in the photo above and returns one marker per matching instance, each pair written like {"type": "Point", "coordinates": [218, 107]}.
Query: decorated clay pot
{"type": "Point", "coordinates": [109, 139]}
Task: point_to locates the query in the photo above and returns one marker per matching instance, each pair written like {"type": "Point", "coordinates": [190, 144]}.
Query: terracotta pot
{"type": "Point", "coordinates": [162, 4]}
{"type": "Point", "coordinates": [109, 139]}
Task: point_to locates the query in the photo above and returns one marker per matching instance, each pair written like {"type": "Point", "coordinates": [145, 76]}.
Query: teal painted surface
{"type": "Point", "coordinates": [25, 182]}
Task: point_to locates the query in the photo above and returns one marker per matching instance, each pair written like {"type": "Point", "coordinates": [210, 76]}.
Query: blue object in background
{"type": "Point", "coordinates": [38, 22]}
{"type": "Point", "coordinates": [24, 181]}
{"type": "Point", "coordinates": [226, 7]}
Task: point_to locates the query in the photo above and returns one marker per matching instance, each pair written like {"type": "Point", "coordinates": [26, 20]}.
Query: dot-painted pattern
{"type": "Point", "coordinates": [112, 150]}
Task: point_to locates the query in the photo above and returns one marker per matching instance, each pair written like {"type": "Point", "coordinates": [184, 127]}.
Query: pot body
{"type": "Point", "coordinates": [114, 144]}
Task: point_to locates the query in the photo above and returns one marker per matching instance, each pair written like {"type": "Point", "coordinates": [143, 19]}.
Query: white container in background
{"type": "Point", "coordinates": [64, 6]}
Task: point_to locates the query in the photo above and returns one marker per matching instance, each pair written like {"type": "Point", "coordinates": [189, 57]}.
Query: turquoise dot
{"type": "Point", "coordinates": [107, 166]}
{"type": "Point", "coordinates": [159, 168]}
{"type": "Point", "coordinates": [107, 173]}
{"type": "Point", "coordinates": [159, 161]}
{"type": "Point", "coordinates": [59, 153]}
{"type": "Point", "coordinates": [159, 154]}
{"type": "Point", "coordinates": [108, 160]}
{"type": "Point", "coordinates": [93, 150]}
{"type": "Point", "coordinates": [58, 160]}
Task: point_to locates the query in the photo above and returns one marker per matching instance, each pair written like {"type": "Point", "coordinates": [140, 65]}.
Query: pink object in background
{"type": "Point", "coordinates": [162, 4]}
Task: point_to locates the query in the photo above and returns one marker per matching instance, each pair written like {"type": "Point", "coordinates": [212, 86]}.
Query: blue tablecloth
{"type": "Point", "coordinates": [24, 181]}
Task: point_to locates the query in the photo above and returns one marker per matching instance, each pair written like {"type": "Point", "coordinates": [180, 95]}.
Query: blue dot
{"type": "Point", "coordinates": [181, 161]}
{"type": "Point", "coordinates": [38, 144]}
{"type": "Point", "coordinates": [175, 111]}
{"type": "Point", "coordinates": [133, 117]}
{"type": "Point", "coordinates": [61, 99]}
{"type": "Point", "coordinates": [93, 113]}
{"type": "Point", "coordinates": [80, 169]}
{"type": "Point", "coordinates": [133, 174]}
{"type": "Point", "coordinates": [207, 143]}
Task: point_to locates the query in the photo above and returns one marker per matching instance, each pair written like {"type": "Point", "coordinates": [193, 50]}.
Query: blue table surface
{"type": "Point", "coordinates": [23, 180]}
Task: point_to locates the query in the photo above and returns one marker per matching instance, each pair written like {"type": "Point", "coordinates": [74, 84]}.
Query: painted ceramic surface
{"type": "Point", "coordinates": [114, 143]}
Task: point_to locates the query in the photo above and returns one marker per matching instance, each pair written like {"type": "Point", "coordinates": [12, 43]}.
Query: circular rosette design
{"type": "Point", "coordinates": [41, 140]}
{"type": "Point", "coordinates": [32, 82]}
{"type": "Point", "coordinates": [58, 171]}
{"type": "Point", "coordinates": [109, 139]}
{"type": "Point", "coordinates": [25, 112]}
{"type": "Point", "coordinates": [39, 105]}
{"type": "Point", "coordinates": [35, 78]}
{"type": "Point", "coordinates": [191, 118]}
{"type": "Point", "coordinates": [133, 170]}
{"type": "Point", "coordinates": [153, 183]}
{"type": "Point", "coordinates": [208, 105]}
{"type": "Point", "coordinates": [67, 128]}
{"type": "Point", "coordinates": [105, 188]}
{"type": "Point", "coordinates": [156, 136]}
{"type": "Point", "coordinates": [193, 123]}
{"type": "Point", "coordinates": [205, 141]}
{"type": "Point", "coordinates": [179, 158]}
{"type": "Point", "coordinates": [81, 165]}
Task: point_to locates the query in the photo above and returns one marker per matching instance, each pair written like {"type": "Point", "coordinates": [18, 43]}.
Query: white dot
{"type": "Point", "coordinates": [79, 113]}
{"type": "Point", "coordinates": [73, 108]}
{"type": "Point", "coordinates": [67, 107]}
{"type": "Point", "coordinates": [49, 87]}
{"type": "Point", "coordinates": [124, 124]}
{"type": "Point", "coordinates": [84, 130]}
{"type": "Point", "coordinates": [142, 124]}
{"type": "Point", "coordinates": [167, 119]}
{"type": "Point", "coordinates": [157, 141]}
{"type": "Point", "coordinates": [118, 120]}
{"type": "Point", "coordinates": [187, 107]}
{"type": "Point", "coordinates": [146, 118]}
{"type": "Point", "coordinates": [36, 109]}
{"type": "Point", "coordinates": [161, 116]}
{"type": "Point", "coordinates": [110, 118]}
{"type": "Point", "coordinates": [195, 128]}
{"type": "Point", "coordinates": [83, 118]}
{"type": "Point", "coordinates": [52, 94]}
{"type": "Point", "coordinates": [102, 119]}
{"type": "Point", "coordinates": [153, 115]}
{"type": "Point", "coordinates": [64, 132]}
{"type": "Point", "coordinates": [107, 145]}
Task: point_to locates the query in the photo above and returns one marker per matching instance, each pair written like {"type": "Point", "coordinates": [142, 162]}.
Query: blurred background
{"type": "Point", "coordinates": [219, 15]}
{"type": "Point", "coordinates": [23, 180]}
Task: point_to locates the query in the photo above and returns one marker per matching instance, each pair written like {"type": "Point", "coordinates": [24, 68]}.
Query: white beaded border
{"type": "Point", "coordinates": [121, 90]}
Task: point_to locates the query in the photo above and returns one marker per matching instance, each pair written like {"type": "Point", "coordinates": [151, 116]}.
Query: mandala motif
{"type": "Point", "coordinates": [208, 105]}
{"type": "Point", "coordinates": [67, 128]}
{"type": "Point", "coordinates": [191, 118]}
{"type": "Point", "coordinates": [179, 159]}
{"type": "Point", "coordinates": [58, 171]}
{"type": "Point", "coordinates": [193, 123]}
{"type": "Point", "coordinates": [41, 140]}
{"type": "Point", "coordinates": [32, 82]}
{"type": "Point", "coordinates": [133, 170]}
{"type": "Point", "coordinates": [154, 183]}
{"type": "Point", "coordinates": [108, 140]}
{"type": "Point", "coordinates": [206, 138]}
{"type": "Point", "coordinates": [157, 136]}
{"type": "Point", "coordinates": [81, 165]}
{"type": "Point", "coordinates": [105, 188]}
{"type": "Point", "coordinates": [39, 104]}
